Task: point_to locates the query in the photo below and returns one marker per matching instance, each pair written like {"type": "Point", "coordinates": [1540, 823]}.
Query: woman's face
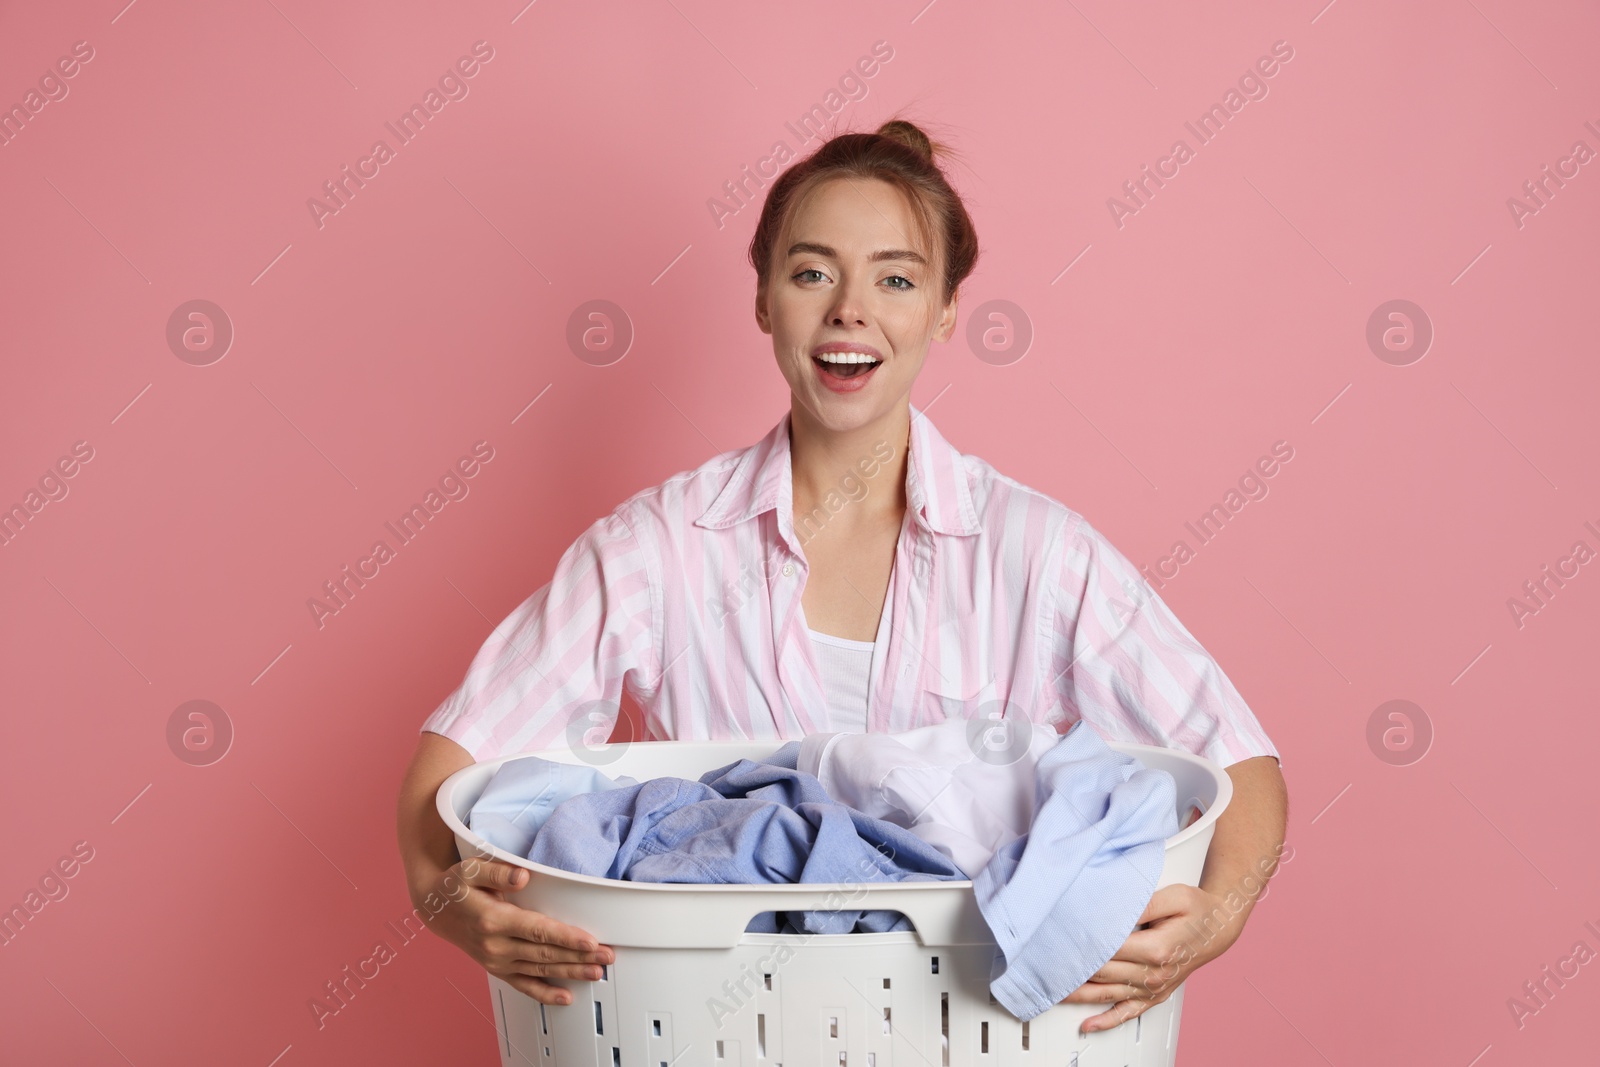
{"type": "Point", "coordinates": [851, 273]}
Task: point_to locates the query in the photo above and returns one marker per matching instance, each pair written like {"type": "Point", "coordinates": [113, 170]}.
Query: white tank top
{"type": "Point", "coordinates": [846, 668]}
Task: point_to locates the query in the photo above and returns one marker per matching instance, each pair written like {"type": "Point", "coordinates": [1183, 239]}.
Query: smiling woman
{"type": "Point", "coordinates": [919, 245]}
{"type": "Point", "coordinates": [949, 592]}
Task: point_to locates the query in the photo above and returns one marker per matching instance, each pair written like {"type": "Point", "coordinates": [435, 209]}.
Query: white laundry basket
{"type": "Point", "coordinates": [689, 988]}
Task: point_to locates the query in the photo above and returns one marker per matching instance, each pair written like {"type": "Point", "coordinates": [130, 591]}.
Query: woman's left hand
{"type": "Point", "coordinates": [1154, 961]}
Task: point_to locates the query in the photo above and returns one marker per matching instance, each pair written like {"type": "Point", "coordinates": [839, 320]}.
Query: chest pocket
{"type": "Point", "coordinates": [941, 699]}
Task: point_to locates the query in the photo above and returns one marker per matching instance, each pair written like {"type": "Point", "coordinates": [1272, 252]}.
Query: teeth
{"type": "Point", "coordinates": [846, 357]}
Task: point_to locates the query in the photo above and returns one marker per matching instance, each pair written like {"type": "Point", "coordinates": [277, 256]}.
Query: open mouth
{"type": "Point", "coordinates": [845, 365]}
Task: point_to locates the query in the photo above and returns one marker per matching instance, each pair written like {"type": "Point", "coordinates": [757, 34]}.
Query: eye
{"type": "Point", "coordinates": [809, 270]}
{"type": "Point", "coordinates": [908, 284]}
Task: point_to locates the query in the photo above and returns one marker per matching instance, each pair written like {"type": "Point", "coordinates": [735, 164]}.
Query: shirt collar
{"type": "Point", "coordinates": [937, 491]}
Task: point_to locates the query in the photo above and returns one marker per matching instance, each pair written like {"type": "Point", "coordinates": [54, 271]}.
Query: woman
{"type": "Point", "coordinates": [849, 571]}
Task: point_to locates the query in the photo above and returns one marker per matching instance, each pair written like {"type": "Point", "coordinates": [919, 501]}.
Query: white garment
{"type": "Point", "coordinates": [965, 786]}
{"type": "Point", "coordinates": [846, 668]}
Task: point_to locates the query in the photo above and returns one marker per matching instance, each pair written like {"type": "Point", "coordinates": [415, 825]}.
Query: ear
{"type": "Point", "coordinates": [947, 319]}
{"type": "Point", "coordinates": [763, 320]}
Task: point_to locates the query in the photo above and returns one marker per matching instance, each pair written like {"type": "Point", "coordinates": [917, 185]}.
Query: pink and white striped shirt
{"type": "Point", "coordinates": [1002, 602]}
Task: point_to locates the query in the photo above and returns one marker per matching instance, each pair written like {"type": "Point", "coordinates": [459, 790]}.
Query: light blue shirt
{"type": "Point", "coordinates": [522, 793]}
{"type": "Point", "coordinates": [1063, 899]}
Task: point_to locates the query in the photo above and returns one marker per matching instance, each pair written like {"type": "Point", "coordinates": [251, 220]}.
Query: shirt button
{"type": "Point", "coordinates": [788, 570]}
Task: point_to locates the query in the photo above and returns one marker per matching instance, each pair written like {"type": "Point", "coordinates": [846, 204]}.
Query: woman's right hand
{"type": "Point", "coordinates": [519, 946]}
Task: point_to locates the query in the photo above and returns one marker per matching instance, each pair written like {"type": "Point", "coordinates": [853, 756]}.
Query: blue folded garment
{"type": "Point", "coordinates": [1063, 899]}
{"type": "Point", "coordinates": [748, 822]}
{"type": "Point", "coordinates": [787, 755]}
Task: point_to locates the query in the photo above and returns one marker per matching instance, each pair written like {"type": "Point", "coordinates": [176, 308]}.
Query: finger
{"type": "Point", "coordinates": [1160, 976]}
{"type": "Point", "coordinates": [1123, 973]}
{"type": "Point", "coordinates": [1143, 948]}
{"type": "Point", "coordinates": [1166, 901]}
{"type": "Point", "coordinates": [492, 874]}
{"type": "Point", "coordinates": [1141, 954]}
{"type": "Point", "coordinates": [1146, 948]}
{"type": "Point", "coordinates": [543, 992]}
{"type": "Point", "coordinates": [1119, 1013]}
{"type": "Point", "coordinates": [579, 972]}
{"type": "Point", "coordinates": [1099, 993]}
{"type": "Point", "coordinates": [521, 950]}
{"type": "Point", "coordinates": [535, 926]}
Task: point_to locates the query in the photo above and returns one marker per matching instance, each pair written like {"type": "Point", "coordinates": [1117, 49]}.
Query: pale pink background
{"type": "Point", "coordinates": [1227, 315]}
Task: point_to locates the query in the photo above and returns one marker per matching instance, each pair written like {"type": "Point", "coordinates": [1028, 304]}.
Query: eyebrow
{"type": "Point", "coordinates": [876, 257]}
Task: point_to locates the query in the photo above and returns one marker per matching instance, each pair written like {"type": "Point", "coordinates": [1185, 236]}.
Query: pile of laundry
{"type": "Point", "coordinates": [1062, 836]}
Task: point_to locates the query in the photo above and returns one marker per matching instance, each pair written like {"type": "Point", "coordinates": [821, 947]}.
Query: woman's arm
{"type": "Point", "coordinates": [1248, 838]}
{"type": "Point", "coordinates": [1125, 662]}
{"type": "Point", "coordinates": [427, 845]}
{"type": "Point", "coordinates": [1188, 926]}
{"type": "Point", "coordinates": [547, 674]}
{"type": "Point", "coordinates": [461, 899]}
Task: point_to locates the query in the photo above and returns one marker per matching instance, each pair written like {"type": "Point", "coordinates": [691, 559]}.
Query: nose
{"type": "Point", "coordinates": [848, 309]}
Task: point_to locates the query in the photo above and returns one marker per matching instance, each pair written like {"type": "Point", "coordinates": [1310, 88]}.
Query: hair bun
{"type": "Point", "coordinates": [906, 133]}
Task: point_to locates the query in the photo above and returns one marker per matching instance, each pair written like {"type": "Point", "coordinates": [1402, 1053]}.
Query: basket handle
{"type": "Point", "coordinates": [946, 915]}
{"type": "Point", "coordinates": [631, 913]}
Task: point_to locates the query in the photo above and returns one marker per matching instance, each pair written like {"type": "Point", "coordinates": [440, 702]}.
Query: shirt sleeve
{"type": "Point", "coordinates": [551, 674]}
{"type": "Point", "coordinates": [1123, 661]}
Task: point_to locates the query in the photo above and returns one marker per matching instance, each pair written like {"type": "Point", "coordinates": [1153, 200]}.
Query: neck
{"type": "Point", "coordinates": [851, 463]}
